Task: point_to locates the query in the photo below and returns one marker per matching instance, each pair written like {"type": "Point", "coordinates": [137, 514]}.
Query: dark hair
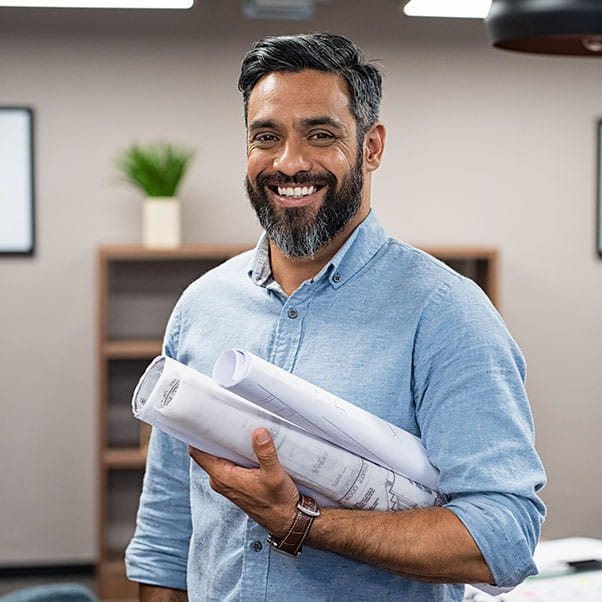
{"type": "Point", "coordinates": [322, 52]}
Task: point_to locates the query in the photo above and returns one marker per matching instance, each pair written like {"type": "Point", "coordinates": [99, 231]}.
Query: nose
{"type": "Point", "coordinates": [292, 157]}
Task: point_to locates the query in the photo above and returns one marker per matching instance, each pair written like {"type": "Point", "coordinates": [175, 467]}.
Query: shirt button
{"type": "Point", "coordinates": [336, 278]}
{"type": "Point", "coordinates": [292, 313]}
{"type": "Point", "coordinates": [257, 546]}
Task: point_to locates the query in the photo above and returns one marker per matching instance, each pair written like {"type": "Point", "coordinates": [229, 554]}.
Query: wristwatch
{"type": "Point", "coordinates": [290, 544]}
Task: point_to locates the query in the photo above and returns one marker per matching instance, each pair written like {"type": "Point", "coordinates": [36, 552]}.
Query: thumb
{"type": "Point", "coordinates": [265, 450]}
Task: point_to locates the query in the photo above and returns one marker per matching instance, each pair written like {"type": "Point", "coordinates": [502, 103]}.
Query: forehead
{"type": "Point", "coordinates": [285, 95]}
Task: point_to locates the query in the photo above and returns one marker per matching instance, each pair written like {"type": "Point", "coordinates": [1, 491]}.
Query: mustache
{"type": "Point", "coordinates": [327, 178]}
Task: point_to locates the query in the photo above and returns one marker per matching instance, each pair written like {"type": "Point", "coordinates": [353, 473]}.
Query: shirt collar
{"type": "Point", "coordinates": [358, 249]}
{"type": "Point", "coordinates": [260, 270]}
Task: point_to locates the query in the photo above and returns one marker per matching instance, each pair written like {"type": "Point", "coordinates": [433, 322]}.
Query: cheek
{"type": "Point", "coordinates": [341, 170]}
{"type": "Point", "coordinates": [341, 160]}
{"type": "Point", "coordinates": [256, 163]}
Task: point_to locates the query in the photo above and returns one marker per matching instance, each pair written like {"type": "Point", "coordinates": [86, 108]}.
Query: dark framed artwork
{"type": "Point", "coordinates": [17, 232]}
{"type": "Point", "coordinates": [599, 190]}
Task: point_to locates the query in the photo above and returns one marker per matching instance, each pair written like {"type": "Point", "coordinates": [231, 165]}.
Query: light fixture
{"type": "Point", "coordinates": [163, 4]}
{"type": "Point", "coordinates": [279, 9]}
{"type": "Point", "coordinates": [569, 27]}
{"type": "Point", "coordinates": [468, 9]}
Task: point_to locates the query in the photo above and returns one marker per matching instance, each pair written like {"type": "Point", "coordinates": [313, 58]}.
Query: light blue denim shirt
{"type": "Point", "coordinates": [394, 331]}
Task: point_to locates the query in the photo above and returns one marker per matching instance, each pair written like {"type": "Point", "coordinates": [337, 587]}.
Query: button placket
{"type": "Point", "coordinates": [287, 335]}
{"type": "Point", "coordinates": [256, 564]}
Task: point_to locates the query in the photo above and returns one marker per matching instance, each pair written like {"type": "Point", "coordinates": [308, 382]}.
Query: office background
{"type": "Point", "coordinates": [484, 147]}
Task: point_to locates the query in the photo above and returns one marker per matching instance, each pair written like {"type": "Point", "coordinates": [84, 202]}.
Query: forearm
{"type": "Point", "coordinates": [430, 544]}
{"type": "Point", "coordinates": [154, 593]}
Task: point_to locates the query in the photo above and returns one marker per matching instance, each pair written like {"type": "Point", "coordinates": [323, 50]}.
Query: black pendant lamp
{"type": "Point", "coordinates": [569, 27]}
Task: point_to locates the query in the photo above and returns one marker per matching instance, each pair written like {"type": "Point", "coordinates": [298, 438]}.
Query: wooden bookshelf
{"type": "Point", "coordinates": [137, 289]}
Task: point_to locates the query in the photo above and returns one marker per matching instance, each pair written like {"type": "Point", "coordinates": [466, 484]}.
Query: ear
{"type": "Point", "coordinates": [374, 145]}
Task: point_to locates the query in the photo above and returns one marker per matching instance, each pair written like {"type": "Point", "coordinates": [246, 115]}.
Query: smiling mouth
{"type": "Point", "coordinates": [295, 192]}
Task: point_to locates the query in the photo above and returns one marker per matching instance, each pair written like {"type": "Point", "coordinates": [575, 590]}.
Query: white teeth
{"type": "Point", "coordinates": [296, 192]}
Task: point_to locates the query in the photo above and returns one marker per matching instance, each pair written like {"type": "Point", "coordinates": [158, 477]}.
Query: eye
{"type": "Point", "coordinates": [263, 140]}
{"type": "Point", "coordinates": [321, 138]}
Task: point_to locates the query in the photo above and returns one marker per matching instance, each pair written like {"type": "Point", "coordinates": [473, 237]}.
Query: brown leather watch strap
{"type": "Point", "coordinates": [291, 543]}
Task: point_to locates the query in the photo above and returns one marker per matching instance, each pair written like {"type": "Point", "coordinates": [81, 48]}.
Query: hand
{"type": "Point", "coordinates": [267, 494]}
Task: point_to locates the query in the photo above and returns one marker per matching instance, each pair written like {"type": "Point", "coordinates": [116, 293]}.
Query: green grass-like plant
{"type": "Point", "coordinates": [157, 169]}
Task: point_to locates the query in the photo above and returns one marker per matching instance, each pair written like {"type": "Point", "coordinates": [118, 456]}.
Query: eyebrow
{"type": "Point", "coordinates": [259, 124]}
{"type": "Point", "coordinates": [322, 120]}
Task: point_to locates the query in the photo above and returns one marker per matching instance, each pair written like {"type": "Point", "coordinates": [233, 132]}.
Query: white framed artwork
{"type": "Point", "coordinates": [17, 235]}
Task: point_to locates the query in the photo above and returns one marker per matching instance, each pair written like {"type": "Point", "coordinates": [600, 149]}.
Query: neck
{"type": "Point", "coordinates": [291, 272]}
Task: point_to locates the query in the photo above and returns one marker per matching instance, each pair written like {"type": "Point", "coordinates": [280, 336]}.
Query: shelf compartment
{"type": "Point", "coordinates": [477, 263]}
{"type": "Point", "coordinates": [121, 428]}
{"type": "Point", "coordinates": [142, 294]}
{"type": "Point", "coordinates": [124, 487]}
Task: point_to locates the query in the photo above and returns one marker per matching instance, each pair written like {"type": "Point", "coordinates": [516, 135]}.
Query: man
{"type": "Point", "coordinates": [328, 296]}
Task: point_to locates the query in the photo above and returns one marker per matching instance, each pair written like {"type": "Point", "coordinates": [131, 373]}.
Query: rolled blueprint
{"type": "Point", "coordinates": [193, 408]}
{"type": "Point", "coordinates": [325, 414]}
{"type": "Point", "coordinates": [198, 411]}
{"type": "Point", "coordinates": [144, 409]}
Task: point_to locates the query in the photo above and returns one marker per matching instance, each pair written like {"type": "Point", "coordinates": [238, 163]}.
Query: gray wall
{"type": "Point", "coordinates": [484, 147]}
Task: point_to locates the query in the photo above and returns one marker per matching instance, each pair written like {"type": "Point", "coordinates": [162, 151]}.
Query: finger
{"type": "Point", "coordinates": [265, 450]}
{"type": "Point", "coordinates": [205, 460]}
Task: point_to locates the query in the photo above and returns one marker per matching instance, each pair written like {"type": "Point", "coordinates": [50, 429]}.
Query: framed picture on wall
{"type": "Point", "coordinates": [17, 236]}
{"type": "Point", "coordinates": [599, 192]}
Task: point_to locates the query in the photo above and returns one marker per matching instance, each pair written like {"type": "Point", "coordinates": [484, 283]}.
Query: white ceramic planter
{"type": "Point", "coordinates": [161, 222]}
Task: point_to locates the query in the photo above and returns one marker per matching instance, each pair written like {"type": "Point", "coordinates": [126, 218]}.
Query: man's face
{"type": "Point", "coordinates": [305, 169]}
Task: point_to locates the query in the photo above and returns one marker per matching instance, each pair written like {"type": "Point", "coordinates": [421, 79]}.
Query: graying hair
{"type": "Point", "coordinates": [323, 52]}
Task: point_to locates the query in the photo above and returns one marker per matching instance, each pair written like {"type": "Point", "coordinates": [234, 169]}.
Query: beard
{"type": "Point", "coordinates": [302, 231]}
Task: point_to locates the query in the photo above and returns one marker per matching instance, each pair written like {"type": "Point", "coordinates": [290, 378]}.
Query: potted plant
{"type": "Point", "coordinates": [157, 170]}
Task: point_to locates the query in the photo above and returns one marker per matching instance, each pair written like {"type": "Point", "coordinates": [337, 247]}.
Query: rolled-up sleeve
{"type": "Point", "coordinates": [158, 552]}
{"type": "Point", "coordinates": [477, 427]}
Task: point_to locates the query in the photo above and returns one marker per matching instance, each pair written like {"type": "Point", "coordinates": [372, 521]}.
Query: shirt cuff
{"type": "Point", "coordinates": [143, 568]}
{"type": "Point", "coordinates": [507, 545]}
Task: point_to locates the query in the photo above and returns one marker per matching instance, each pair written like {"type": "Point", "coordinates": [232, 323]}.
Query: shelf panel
{"type": "Point", "coordinates": [141, 349]}
{"type": "Point", "coordinates": [459, 252]}
{"type": "Point", "coordinates": [124, 457]}
{"type": "Point", "coordinates": [199, 251]}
